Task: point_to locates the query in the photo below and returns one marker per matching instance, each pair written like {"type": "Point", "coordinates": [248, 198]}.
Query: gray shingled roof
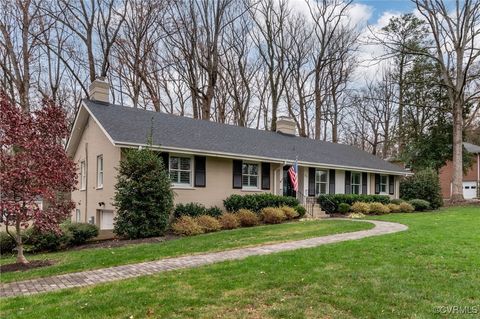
{"type": "Point", "coordinates": [129, 125]}
{"type": "Point", "coordinates": [471, 148]}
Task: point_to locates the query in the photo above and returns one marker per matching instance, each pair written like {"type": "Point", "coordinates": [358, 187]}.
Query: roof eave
{"type": "Point", "coordinates": [257, 158]}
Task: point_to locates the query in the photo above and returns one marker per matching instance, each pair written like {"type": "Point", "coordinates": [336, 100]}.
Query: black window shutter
{"type": "Point", "coordinates": [348, 182]}
{"type": "Point", "coordinates": [364, 183]}
{"type": "Point", "coordinates": [165, 158]}
{"type": "Point", "coordinates": [265, 175]}
{"type": "Point", "coordinates": [377, 183]}
{"type": "Point", "coordinates": [331, 181]}
{"type": "Point", "coordinates": [391, 185]}
{"type": "Point", "coordinates": [200, 171]}
{"type": "Point", "coordinates": [311, 181]}
{"type": "Point", "coordinates": [237, 174]}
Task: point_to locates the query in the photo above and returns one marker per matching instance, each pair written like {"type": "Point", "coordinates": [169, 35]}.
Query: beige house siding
{"type": "Point", "coordinates": [93, 143]}
{"type": "Point", "coordinates": [219, 184]}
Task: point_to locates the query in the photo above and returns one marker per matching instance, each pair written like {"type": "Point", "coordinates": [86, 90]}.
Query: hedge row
{"type": "Point", "coordinates": [72, 234]}
{"type": "Point", "coordinates": [330, 202]}
{"type": "Point", "coordinates": [189, 226]}
{"type": "Point", "coordinates": [256, 202]}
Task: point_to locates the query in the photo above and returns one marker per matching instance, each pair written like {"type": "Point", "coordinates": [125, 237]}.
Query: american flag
{"type": "Point", "coordinates": [293, 173]}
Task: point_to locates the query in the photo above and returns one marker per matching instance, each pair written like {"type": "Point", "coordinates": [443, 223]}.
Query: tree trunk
{"type": "Point", "coordinates": [457, 178]}
{"type": "Point", "coordinates": [18, 239]}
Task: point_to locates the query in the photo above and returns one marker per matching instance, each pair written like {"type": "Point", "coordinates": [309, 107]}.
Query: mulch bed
{"type": "Point", "coordinates": [23, 267]}
{"type": "Point", "coordinates": [117, 242]}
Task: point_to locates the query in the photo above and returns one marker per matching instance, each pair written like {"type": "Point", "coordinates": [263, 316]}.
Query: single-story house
{"type": "Point", "coordinates": [209, 161]}
{"type": "Point", "coordinates": [471, 179]}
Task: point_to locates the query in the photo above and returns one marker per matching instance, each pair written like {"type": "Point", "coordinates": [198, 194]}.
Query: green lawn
{"type": "Point", "coordinates": [404, 275]}
{"type": "Point", "coordinates": [70, 261]}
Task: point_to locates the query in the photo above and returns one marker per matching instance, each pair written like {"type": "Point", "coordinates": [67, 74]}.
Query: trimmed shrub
{"type": "Point", "coordinates": [423, 185]}
{"type": "Point", "coordinates": [394, 208]}
{"type": "Point", "coordinates": [330, 202]}
{"type": "Point", "coordinates": [229, 221]}
{"type": "Point", "coordinates": [356, 215]}
{"type": "Point", "coordinates": [256, 202]}
{"type": "Point", "coordinates": [189, 209]}
{"type": "Point", "coordinates": [214, 211]}
{"type": "Point", "coordinates": [7, 243]}
{"type": "Point", "coordinates": [195, 209]}
{"type": "Point", "coordinates": [360, 207]}
{"type": "Point", "coordinates": [406, 207]}
{"type": "Point", "coordinates": [272, 215]}
{"type": "Point", "coordinates": [397, 201]}
{"type": "Point", "coordinates": [290, 212]}
{"type": "Point", "coordinates": [419, 205]}
{"type": "Point", "coordinates": [379, 208]}
{"type": "Point", "coordinates": [143, 196]}
{"type": "Point", "coordinates": [247, 218]}
{"type": "Point", "coordinates": [208, 223]}
{"type": "Point", "coordinates": [186, 226]}
{"type": "Point", "coordinates": [344, 208]}
{"type": "Point", "coordinates": [300, 210]}
{"type": "Point", "coordinates": [37, 240]}
{"type": "Point", "coordinates": [80, 232]}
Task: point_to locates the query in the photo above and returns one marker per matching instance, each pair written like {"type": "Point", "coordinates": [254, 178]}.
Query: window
{"type": "Point", "coordinates": [78, 215]}
{"type": "Point", "coordinates": [250, 175]}
{"type": "Point", "coordinates": [356, 181]}
{"type": "Point", "coordinates": [180, 169]}
{"type": "Point", "coordinates": [99, 171]}
{"type": "Point", "coordinates": [383, 183]}
{"type": "Point", "coordinates": [321, 182]}
{"type": "Point", "coordinates": [83, 176]}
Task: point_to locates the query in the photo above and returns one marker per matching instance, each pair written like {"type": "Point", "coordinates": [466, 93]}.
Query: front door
{"type": "Point", "coordinates": [287, 183]}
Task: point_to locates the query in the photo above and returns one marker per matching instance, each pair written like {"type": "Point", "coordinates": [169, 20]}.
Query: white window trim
{"type": "Point", "coordinates": [83, 175]}
{"type": "Point", "coordinates": [359, 185]}
{"type": "Point", "coordinates": [252, 188]}
{"type": "Point", "coordinates": [386, 185]}
{"type": "Point", "coordinates": [102, 172]}
{"type": "Point", "coordinates": [181, 185]}
{"type": "Point", "coordinates": [327, 183]}
{"type": "Point", "coordinates": [78, 215]}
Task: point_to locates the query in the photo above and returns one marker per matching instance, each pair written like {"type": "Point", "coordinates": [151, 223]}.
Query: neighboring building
{"type": "Point", "coordinates": [209, 161]}
{"type": "Point", "coordinates": [471, 180]}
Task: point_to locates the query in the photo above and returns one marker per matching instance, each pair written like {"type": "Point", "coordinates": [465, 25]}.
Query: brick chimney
{"type": "Point", "coordinates": [99, 90]}
{"type": "Point", "coordinates": [286, 125]}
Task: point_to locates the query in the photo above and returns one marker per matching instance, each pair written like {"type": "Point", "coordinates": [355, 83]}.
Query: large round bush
{"type": "Point", "coordinates": [423, 185]}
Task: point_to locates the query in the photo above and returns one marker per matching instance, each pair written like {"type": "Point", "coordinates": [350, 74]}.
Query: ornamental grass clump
{"type": "Point", "coordinates": [186, 226]}
{"type": "Point", "coordinates": [394, 208]}
{"type": "Point", "coordinates": [272, 215]}
{"type": "Point", "coordinates": [360, 207]}
{"type": "Point", "coordinates": [247, 218]}
{"type": "Point", "coordinates": [229, 221]}
{"type": "Point", "coordinates": [356, 215]}
{"type": "Point", "coordinates": [208, 223]}
{"type": "Point", "coordinates": [379, 209]}
{"type": "Point", "coordinates": [290, 212]}
{"type": "Point", "coordinates": [406, 207]}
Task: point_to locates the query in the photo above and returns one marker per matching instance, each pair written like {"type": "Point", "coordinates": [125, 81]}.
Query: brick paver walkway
{"type": "Point", "coordinates": [92, 277]}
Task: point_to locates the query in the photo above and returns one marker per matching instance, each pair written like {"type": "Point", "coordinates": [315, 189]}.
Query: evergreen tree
{"type": "Point", "coordinates": [143, 197]}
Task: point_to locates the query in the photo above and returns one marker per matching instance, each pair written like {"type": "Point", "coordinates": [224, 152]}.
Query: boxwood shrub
{"type": "Point", "coordinates": [420, 205]}
{"type": "Point", "coordinates": [195, 209]}
{"type": "Point", "coordinates": [255, 202]}
{"type": "Point", "coordinates": [330, 202]}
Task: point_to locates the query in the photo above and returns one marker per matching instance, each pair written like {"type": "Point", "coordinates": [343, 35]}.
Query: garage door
{"type": "Point", "coordinates": [106, 219]}
{"type": "Point", "coordinates": [469, 190]}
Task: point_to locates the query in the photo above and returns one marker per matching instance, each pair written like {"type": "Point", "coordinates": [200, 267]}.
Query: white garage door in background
{"type": "Point", "coordinates": [469, 190]}
{"type": "Point", "coordinates": [106, 219]}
